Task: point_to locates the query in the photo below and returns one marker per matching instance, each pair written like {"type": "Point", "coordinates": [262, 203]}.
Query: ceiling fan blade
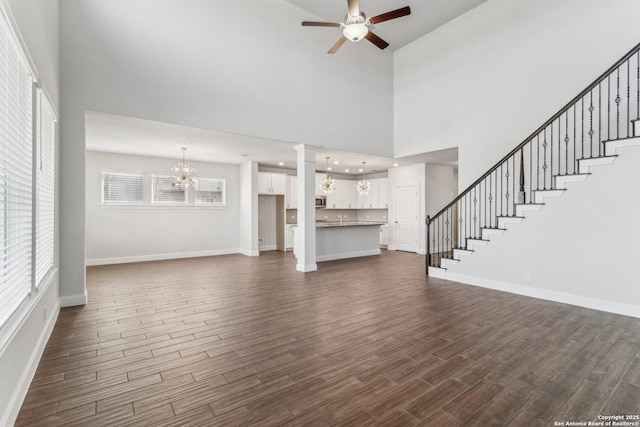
{"type": "Point", "coordinates": [354, 7]}
{"type": "Point", "coordinates": [376, 40]}
{"type": "Point", "coordinates": [404, 11]}
{"type": "Point", "coordinates": [336, 46]}
{"type": "Point", "coordinates": [320, 24]}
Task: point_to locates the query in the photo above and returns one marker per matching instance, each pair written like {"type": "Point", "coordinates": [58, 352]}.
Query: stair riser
{"type": "Point", "coordinates": [585, 164]}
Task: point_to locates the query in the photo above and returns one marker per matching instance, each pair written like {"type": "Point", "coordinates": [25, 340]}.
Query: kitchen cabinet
{"type": "Point", "coordinates": [384, 235]}
{"type": "Point", "coordinates": [272, 183]}
{"type": "Point", "coordinates": [334, 198]}
{"type": "Point", "coordinates": [348, 194]}
{"type": "Point", "coordinates": [292, 192]}
{"type": "Point", "coordinates": [383, 193]}
{"type": "Point", "coordinates": [371, 199]}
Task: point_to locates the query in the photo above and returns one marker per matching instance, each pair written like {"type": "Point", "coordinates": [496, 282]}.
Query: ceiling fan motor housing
{"type": "Point", "coordinates": [355, 27]}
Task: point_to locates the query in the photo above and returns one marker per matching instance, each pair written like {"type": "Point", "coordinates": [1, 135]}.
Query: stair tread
{"type": "Point", "coordinates": [570, 174]}
{"type": "Point", "coordinates": [598, 157]}
{"type": "Point", "coordinates": [493, 228]}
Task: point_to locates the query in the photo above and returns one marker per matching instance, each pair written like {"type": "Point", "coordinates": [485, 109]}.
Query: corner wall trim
{"type": "Point", "coordinates": [546, 294]}
{"type": "Point", "coordinates": [159, 257]}
{"type": "Point", "coordinates": [73, 300]}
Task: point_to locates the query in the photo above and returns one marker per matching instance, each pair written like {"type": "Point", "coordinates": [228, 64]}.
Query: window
{"type": "Point", "coordinates": [16, 174]}
{"type": "Point", "coordinates": [122, 188]}
{"type": "Point", "coordinates": [45, 187]}
{"type": "Point", "coordinates": [210, 192]}
{"type": "Point", "coordinates": [164, 192]}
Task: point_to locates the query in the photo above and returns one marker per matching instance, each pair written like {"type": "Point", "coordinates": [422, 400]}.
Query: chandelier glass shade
{"type": "Point", "coordinates": [363, 186]}
{"type": "Point", "coordinates": [184, 174]}
{"type": "Point", "coordinates": [327, 185]}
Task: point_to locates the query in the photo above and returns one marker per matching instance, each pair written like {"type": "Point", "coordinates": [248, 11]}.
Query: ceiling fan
{"type": "Point", "coordinates": [356, 25]}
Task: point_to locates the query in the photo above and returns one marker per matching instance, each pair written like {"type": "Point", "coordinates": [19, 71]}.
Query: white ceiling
{"type": "Point", "coordinates": [126, 135]}
{"type": "Point", "coordinates": [425, 16]}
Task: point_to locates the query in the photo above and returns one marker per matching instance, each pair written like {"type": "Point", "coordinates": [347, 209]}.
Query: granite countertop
{"type": "Point", "coordinates": [330, 224]}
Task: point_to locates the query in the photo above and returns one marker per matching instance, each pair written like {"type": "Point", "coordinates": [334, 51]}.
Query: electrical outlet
{"type": "Point", "coordinates": [527, 277]}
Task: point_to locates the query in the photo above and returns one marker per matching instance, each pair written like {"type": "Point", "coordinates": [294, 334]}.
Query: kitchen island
{"type": "Point", "coordinates": [335, 240]}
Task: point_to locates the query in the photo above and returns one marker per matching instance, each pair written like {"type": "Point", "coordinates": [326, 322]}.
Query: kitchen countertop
{"type": "Point", "coordinates": [331, 224]}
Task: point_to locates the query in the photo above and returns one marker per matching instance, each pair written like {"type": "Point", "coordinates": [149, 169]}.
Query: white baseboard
{"type": "Point", "coordinates": [267, 248]}
{"type": "Point", "coordinates": [73, 300]}
{"type": "Point", "coordinates": [159, 257]}
{"type": "Point", "coordinates": [21, 389]}
{"type": "Point", "coordinates": [343, 255]}
{"type": "Point", "coordinates": [248, 252]}
{"type": "Point", "coordinates": [305, 268]}
{"type": "Point", "coordinates": [545, 294]}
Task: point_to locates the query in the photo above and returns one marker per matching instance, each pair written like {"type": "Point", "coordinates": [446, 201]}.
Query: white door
{"type": "Point", "coordinates": [405, 221]}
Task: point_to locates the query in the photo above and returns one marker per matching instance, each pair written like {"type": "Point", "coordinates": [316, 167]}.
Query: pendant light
{"type": "Point", "coordinates": [363, 186]}
{"type": "Point", "coordinates": [184, 175]}
{"type": "Point", "coordinates": [327, 184]}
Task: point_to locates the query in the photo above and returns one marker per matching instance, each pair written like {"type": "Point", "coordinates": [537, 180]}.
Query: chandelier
{"type": "Point", "coordinates": [184, 175]}
{"type": "Point", "coordinates": [327, 184]}
{"type": "Point", "coordinates": [363, 186]}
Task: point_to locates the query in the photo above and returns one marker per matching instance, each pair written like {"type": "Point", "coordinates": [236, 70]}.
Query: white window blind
{"type": "Point", "coordinates": [15, 174]}
{"type": "Point", "coordinates": [210, 192]}
{"type": "Point", "coordinates": [122, 188]}
{"type": "Point", "coordinates": [45, 187]}
{"type": "Point", "coordinates": [164, 192]}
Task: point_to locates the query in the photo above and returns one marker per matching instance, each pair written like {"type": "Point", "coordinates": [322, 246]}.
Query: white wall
{"type": "Point", "coordinates": [23, 338]}
{"type": "Point", "coordinates": [249, 209]}
{"type": "Point", "coordinates": [440, 187]}
{"type": "Point", "coordinates": [579, 249]}
{"type": "Point", "coordinates": [486, 80]}
{"type": "Point", "coordinates": [141, 233]}
{"type": "Point", "coordinates": [237, 66]}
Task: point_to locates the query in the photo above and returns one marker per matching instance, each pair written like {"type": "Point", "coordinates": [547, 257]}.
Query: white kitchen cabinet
{"type": "Point", "coordinates": [318, 190]}
{"type": "Point", "coordinates": [288, 237]}
{"type": "Point", "coordinates": [272, 183]}
{"type": "Point", "coordinates": [334, 198]}
{"type": "Point", "coordinates": [383, 193]}
{"type": "Point", "coordinates": [384, 235]}
{"type": "Point", "coordinates": [371, 200]}
{"type": "Point", "coordinates": [292, 192]}
{"type": "Point", "coordinates": [348, 194]}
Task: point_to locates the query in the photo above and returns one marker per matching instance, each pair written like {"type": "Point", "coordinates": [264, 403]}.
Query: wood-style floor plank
{"type": "Point", "coordinates": [237, 341]}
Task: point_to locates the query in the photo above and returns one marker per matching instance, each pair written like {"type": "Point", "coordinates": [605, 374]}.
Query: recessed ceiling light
{"type": "Point", "coordinates": [336, 162]}
{"type": "Point", "coordinates": [360, 170]}
{"type": "Point", "coordinates": [328, 169]}
{"type": "Point", "coordinates": [281, 163]}
{"type": "Point", "coordinates": [346, 170]}
{"type": "Point", "coordinates": [396, 165]}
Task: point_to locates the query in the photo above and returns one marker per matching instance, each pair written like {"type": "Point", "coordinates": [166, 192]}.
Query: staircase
{"type": "Point", "coordinates": [583, 134]}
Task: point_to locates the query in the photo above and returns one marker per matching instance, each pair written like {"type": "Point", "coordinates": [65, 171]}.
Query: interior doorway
{"type": "Point", "coordinates": [405, 221]}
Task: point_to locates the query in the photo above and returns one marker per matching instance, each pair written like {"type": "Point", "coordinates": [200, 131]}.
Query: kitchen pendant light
{"type": "Point", "coordinates": [184, 175]}
{"type": "Point", "coordinates": [327, 184]}
{"type": "Point", "coordinates": [363, 186]}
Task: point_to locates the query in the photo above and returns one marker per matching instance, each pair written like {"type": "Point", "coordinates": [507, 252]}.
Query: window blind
{"type": "Point", "coordinates": [122, 188]}
{"type": "Point", "coordinates": [164, 192]}
{"type": "Point", "coordinates": [15, 174]}
{"type": "Point", "coordinates": [45, 188]}
{"type": "Point", "coordinates": [210, 192]}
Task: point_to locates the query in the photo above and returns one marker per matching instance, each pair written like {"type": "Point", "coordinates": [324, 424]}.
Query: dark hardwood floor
{"type": "Point", "coordinates": [235, 340]}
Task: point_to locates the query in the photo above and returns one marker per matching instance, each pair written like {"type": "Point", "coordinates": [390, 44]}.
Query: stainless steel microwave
{"type": "Point", "coordinates": [321, 201]}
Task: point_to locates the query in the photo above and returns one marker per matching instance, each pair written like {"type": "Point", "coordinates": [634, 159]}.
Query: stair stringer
{"type": "Point", "coordinates": [580, 249]}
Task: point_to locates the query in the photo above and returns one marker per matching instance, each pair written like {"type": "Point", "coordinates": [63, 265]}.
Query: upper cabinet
{"type": "Point", "coordinates": [348, 194]}
{"type": "Point", "coordinates": [291, 199]}
{"type": "Point", "coordinates": [272, 183]}
{"type": "Point", "coordinates": [378, 196]}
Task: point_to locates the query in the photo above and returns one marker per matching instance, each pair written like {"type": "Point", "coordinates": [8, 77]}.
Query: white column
{"type": "Point", "coordinates": [306, 228]}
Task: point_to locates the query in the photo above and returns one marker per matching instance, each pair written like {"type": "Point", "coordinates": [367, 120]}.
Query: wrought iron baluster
{"type": "Point", "coordinates": [544, 160]}
{"type": "Point", "coordinates": [618, 99]}
{"type": "Point", "coordinates": [599, 139]}
{"type": "Point", "coordinates": [574, 140]}
{"type": "Point", "coordinates": [591, 124]}
{"type": "Point", "coordinates": [566, 144]}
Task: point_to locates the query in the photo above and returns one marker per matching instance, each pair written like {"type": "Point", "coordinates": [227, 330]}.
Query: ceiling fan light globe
{"type": "Point", "coordinates": [355, 32]}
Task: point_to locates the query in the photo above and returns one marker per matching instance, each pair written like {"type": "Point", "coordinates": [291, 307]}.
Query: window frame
{"type": "Point", "coordinates": [223, 182]}
{"type": "Point", "coordinates": [154, 184]}
{"type": "Point", "coordinates": [108, 202]}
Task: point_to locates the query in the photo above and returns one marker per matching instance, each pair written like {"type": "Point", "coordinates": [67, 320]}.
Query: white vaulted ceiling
{"type": "Point", "coordinates": [142, 32]}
